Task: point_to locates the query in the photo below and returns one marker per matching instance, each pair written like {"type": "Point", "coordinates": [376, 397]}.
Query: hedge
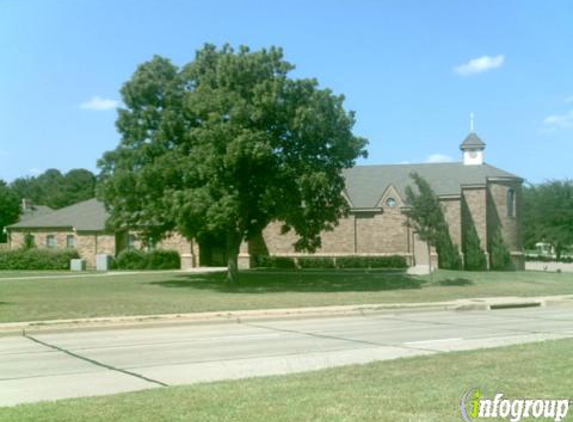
{"type": "Point", "coordinates": [315, 262]}
{"type": "Point", "coordinates": [265, 261]}
{"type": "Point", "coordinates": [393, 261]}
{"type": "Point", "coordinates": [158, 259]}
{"type": "Point", "coordinates": [37, 259]}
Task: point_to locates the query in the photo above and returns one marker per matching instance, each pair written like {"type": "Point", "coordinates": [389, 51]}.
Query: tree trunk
{"type": "Point", "coordinates": [233, 244]}
{"type": "Point", "coordinates": [430, 261]}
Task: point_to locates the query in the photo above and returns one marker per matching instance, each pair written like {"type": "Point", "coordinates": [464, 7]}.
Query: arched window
{"type": "Point", "coordinates": [511, 202]}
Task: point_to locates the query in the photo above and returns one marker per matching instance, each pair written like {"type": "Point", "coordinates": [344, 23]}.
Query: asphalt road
{"type": "Point", "coordinates": [86, 363]}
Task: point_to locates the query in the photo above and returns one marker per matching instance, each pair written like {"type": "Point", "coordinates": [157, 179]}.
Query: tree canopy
{"type": "Point", "coordinates": [226, 144]}
{"type": "Point", "coordinates": [9, 208]}
{"type": "Point", "coordinates": [56, 190]}
{"type": "Point", "coordinates": [548, 214]}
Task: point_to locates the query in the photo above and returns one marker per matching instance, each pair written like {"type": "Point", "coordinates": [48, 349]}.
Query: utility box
{"type": "Point", "coordinates": [78, 265]}
{"type": "Point", "coordinates": [102, 262]}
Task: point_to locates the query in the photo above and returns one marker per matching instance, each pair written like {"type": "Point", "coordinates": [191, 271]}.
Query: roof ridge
{"type": "Point", "coordinates": [404, 164]}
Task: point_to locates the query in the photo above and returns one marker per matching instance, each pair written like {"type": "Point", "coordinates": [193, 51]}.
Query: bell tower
{"type": "Point", "coordinates": [472, 147]}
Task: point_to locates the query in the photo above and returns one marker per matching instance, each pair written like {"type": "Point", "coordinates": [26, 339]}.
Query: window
{"type": "Point", "coordinates": [391, 202]}
{"type": "Point", "coordinates": [51, 241]}
{"type": "Point", "coordinates": [70, 241]}
{"type": "Point", "coordinates": [510, 202]}
{"type": "Point", "coordinates": [131, 241]}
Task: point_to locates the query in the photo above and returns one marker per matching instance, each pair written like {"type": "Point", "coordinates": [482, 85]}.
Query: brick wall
{"type": "Point", "coordinates": [475, 199]}
{"type": "Point", "coordinates": [499, 218]}
{"type": "Point", "coordinates": [91, 244]}
{"type": "Point", "coordinates": [382, 233]}
{"type": "Point", "coordinates": [88, 245]}
{"type": "Point", "coordinates": [453, 215]}
{"type": "Point", "coordinates": [510, 225]}
{"type": "Point", "coordinates": [378, 233]}
{"type": "Point", "coordinates": [40, 238]}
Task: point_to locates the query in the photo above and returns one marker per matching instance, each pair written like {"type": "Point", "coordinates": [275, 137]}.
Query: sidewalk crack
{"type": "Point", "coordinates": [94, 362]}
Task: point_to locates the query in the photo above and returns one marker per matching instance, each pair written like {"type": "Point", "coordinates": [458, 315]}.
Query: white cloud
{"type": "Point", "coordinates": [562, 121]}
{"type": "Point", "coordinates": [481, 64]}
{"type": "Point", "coordinates": [35, 171]}
{"type": "Point", "coordinates": [438, 158]}
{"type": "Point", "coordinates": [99, 104]}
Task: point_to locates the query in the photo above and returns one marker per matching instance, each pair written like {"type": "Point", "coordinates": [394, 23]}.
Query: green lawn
{"type": "Point", "coordinates": [427, 389]}
{"type": "Point", "coordinates": [163, 293]}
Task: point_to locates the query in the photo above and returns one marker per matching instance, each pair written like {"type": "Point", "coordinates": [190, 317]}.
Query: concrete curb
{"type": "Point", "coordinates": [477, 304]}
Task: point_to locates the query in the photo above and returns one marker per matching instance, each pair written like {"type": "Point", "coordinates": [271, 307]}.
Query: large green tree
{"type": "Point", "coordinates": [226, 144]}
{"type": "Point", "coordinates": [9, 208]}
{"type": "Point", "coordinates": [56, 190]}
{"type": "Point", "coordinates": [548, 214]}
{"type": "Point", "coordinates": [426, 218]}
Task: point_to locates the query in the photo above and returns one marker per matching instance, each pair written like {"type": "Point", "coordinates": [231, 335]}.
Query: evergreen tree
{"type": "Point", "coordinates": [474, 256]}
{"type": "Point", "coordinates": [426, 218]}
{"type": "Point", "coordinates": [500, 258]}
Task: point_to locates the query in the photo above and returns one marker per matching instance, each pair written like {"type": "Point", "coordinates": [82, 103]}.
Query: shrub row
{"type": "Point", "coordinates": [315, 262]}
{"type": "Point", "coordinates": [158, 259]}
{"type": "Point", "coordinates": [264, 261]}
{"type": "Point", "coordinates": [37, 259]}
{"type": "Point", "coordinates": [393, 261]}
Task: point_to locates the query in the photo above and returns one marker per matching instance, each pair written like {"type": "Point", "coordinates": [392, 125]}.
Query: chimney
{"type": "Point", "coordinates": [27, 204]}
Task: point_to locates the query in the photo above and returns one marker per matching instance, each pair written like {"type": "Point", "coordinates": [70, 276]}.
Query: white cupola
{"type": "Point", "coordinates": [472, 148]}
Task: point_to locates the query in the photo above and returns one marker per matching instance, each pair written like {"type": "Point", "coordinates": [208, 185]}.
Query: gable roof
{"type": "Point", "coordinates": [88, 215]}
{"type": "Point", "coordinates": [365, 185]}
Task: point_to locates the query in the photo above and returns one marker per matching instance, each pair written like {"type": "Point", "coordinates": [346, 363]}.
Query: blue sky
{"type": "Point", "coordinates": [412, 70]}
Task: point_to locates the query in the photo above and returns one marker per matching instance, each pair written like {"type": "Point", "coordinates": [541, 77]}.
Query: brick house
{"type": "Point", "coordinates": [83, 226]}
{"type": "Point", "coordinates": [473, 195]}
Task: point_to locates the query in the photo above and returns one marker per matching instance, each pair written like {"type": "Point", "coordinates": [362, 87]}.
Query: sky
{"type": "Point", "coordinates": [413, 71]}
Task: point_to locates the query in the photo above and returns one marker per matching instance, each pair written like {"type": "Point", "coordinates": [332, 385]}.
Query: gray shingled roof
{"type": "Point", "coordinates": [472, 141]}
{"type": "Point", "coordinates": [365, 185]}
{"type": "Point", "coordinates": [35, 211]}
{"type": "Point", "coordinates": [88, 215]}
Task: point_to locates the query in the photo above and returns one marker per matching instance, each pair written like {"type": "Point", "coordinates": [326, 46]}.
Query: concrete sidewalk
{"type": "Point", "coordinates": [473, 304]}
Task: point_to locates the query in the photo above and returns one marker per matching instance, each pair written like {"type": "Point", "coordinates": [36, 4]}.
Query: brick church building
{"type": "Point", "coordinates": [472, 193]}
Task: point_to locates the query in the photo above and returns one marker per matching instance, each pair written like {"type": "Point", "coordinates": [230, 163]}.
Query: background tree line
{"type": "Point", "coordinates": [51, 188]}
{"type": "Point", "coordinates": [549, 215]}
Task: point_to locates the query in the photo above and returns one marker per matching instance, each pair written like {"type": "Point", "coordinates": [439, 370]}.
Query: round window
{"type": "Point", "coordinates": [391, 202]}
